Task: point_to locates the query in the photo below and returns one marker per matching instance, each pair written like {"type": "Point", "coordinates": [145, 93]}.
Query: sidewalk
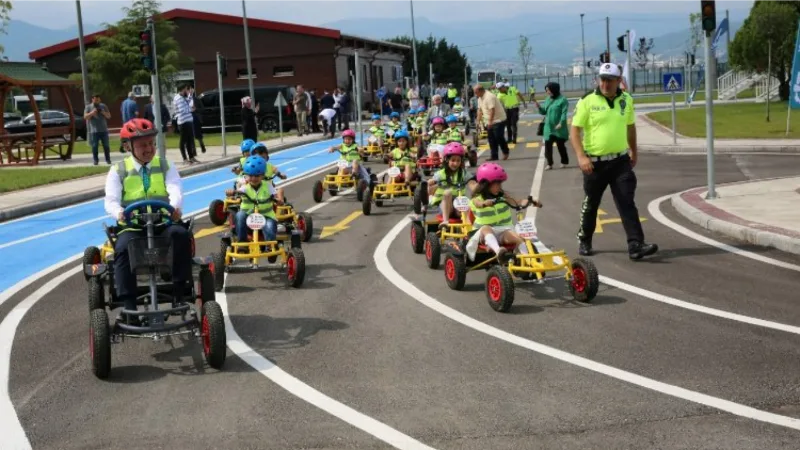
{"type": "Point", "coordinates": [761, 212]}
{"type": "Point", "coordinates": [653, 137]}
{"type": "Point", "coordinates": [31, 201]}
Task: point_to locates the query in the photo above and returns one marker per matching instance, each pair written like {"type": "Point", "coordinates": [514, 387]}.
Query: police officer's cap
{"type": "Point", "coordinates": [610, 70]}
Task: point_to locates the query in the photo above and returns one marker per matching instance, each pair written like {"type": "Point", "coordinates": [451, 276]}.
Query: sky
{"type": "Point", "coordinates": [61, 14]}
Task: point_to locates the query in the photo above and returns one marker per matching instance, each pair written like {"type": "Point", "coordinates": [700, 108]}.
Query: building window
{"type": "Point", "coordinates": [283, 71]}
{"type": "Point", "coordinates": [241, 74]}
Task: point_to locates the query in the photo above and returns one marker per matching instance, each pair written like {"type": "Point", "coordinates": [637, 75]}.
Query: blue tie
{"type": "Point", "coordinates": [145, 178]}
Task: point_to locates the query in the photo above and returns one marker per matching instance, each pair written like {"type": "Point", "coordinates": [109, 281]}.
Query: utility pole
{"type": "Point", "coordinates": [358, 99]}
{"type": "Point", "coordinates": [221, 103]}
{"type": "Point", "coordinates": [608, 38]}
{"type": "Point", "coordinates": [583, 44]}
{"type": "Point", "coordinates": [162, 146]}
{"type": "Point", "coordinates": [84, 72]}
{"type": "Point", "coordinates": [630, 63]}
{"type": "Point", "coordinates": [728, 36]}
{"type": "Point", "coordinates": [414, 45]}
{"type": "Point", "coordinates": [430, 73]}
{"type": "Point", "coordinates": [247, 53]}
{"type": "Point", "coordinates": [709, 120]}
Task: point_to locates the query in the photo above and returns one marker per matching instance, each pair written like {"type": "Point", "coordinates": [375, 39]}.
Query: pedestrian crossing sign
{"type": "Point", "coordinates": [673, 82]}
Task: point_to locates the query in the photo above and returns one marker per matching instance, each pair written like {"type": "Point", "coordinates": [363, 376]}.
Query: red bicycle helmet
{"type": "Point", "coordinates": [137, 128]}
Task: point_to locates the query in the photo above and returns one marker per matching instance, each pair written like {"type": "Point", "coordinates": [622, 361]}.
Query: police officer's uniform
{"type": "Point", "coordinates": [605, 140]}
{"type": "Point", "coordinates": [510, 102]}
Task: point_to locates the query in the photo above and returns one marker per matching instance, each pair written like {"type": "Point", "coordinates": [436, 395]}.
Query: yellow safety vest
{"type": "Point", "coordinates": [452, 93]}
{"type": "Point", "coordinates": [261, 196]}
{"type": "Point", "coordinates": [133, 185]}
{"type": "Point", "coordinates": [454, 135]}
{"type": "Point", "coordinates": [456, 183]}
{"type": "Point", "coordinates": [497, 215]}
{"type": "Point", "coordinates": [349, 152]}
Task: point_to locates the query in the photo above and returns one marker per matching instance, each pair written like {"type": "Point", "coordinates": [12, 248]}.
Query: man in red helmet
{"type": "Point", "coordinates": [144, 176]}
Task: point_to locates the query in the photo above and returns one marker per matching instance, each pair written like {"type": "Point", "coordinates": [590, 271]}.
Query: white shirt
{"type": "Point", "coordinates": [327, 114]}
{"type": "Point", "coordinates": [337, 98]}
{"type": "Point", "coordinates": [113, 199]}
{"type": "Point", "coordinates": [183, 108]}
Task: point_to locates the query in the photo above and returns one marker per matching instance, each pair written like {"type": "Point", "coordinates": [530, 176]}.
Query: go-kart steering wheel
{"type": "Point", "coordinates": [156, 205]}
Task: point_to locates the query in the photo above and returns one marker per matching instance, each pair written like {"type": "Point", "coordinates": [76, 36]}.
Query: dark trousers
{"type": "Point", "coordinates": [187, 141]}
{"type": "Point", "coordinates": [497, 139]}
{"type": "Point", "coordinates": [619, 176]}
{"type": "Point", "coordinates": [512, 117]}
{"type": "Point", "coordinates": [326, 127]}
{"type": "Point", "coordinates": [343, 117]}
{"type": "Point", "coordinates": [562, 150]}
{"type": "Point", "coordinates": [313, 119]}
{"type": "Point", "coordinates": [97, 138]}
{"type": "Point", "coordinates": [181, 266]}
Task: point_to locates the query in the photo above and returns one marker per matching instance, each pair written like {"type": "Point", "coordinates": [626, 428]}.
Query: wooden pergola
{"type": "Point", "coordinates": [28, 76]}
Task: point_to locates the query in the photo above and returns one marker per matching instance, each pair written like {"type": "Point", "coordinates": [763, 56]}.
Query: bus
{"type": "Point", "coordinates": [488, 78]}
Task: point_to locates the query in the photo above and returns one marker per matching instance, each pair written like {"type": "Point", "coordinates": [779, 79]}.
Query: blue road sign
{"type": "Point", "coordinates": [673, 82]}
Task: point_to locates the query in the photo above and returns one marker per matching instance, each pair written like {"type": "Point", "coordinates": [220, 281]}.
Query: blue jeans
{"type": "Point", "coordinates": [270, 230]}
{"type": "Point", "coordinates": [96, 137]}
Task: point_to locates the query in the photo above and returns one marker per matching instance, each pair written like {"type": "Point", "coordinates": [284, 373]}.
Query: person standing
{"type": "Point", "coordinates": [128, 110]}
{"type": "Point", "coordinates": [249, 124]}
{"type": "Point", "coordinates": [149, 114]}
{"type": "Point", "coordinates": [337, 105]}
{"type": "Point", "coordinates": [413, 96]}
{"type": "Point", "coordinates": [197, 118]}
{"type": "Point", "coordinates": [452, 93]}
{"type": "Point", "coordinates": [607, 155]}
{"type": "Point", "coordinates": [510, 102]}
{"type": "Point", "coordinates": [96, 115]}
{"type": "Point", "coordinates": [183, 112]}
{"type": "Point", "coordinates": [327, 116]}
{"type": "Point", "coordinates": [492, 112]}
{"type": "Point", "coordinates": [556, 131]}
{"type": "Point", "coordinates": [312, 94]}
{"type": "Point", "coordinates": [300, 103]}
{"type": "Point", "coordinates": [396, 100]}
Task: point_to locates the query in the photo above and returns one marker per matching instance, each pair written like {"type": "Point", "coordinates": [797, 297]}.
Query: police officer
{"type": "Point", "coordinates": [144, 176]}
{"type": "Point", "coordinates": [510, 97]}
{"type": "Point", "coordinates": [606, 118]}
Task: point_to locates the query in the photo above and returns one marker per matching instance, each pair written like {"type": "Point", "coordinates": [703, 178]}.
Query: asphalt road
{"type": "Point", "coordinates": [352, 335]}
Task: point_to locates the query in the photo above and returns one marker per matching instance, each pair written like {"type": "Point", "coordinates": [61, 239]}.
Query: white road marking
{"type": "Point", "coordinates": [385, 267]}
{"type": "Point", "coordinates": [744, 167]}
{"type": "Point", "coordinates": [307, 393]}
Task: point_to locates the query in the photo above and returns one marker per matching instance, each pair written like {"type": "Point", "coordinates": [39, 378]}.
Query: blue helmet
{"type": "Point", "coordinates": [402, 134]}
{"type": "Point", "coordinates": [247, 145]}
{"type": "Point", "coordinates": [260, 147]}
{"type": "Point", "coordinates": [255, 165]}
{"type": "Point", "coordinates": [458, 99]}
{"type": "Point", "coordinates": [451, 118]}
{"type": "Point", "coordinates": [376, 117]}
{"type": "Point", "coordinates": [413, 111]}
{"type": "Point", "coordinates": [421, 109]}
{"type": "Point", "coordinates": [394, 114]}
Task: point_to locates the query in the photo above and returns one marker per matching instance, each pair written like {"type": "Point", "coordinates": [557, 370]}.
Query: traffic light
{"type": "Point", "coordinates": [621, 43]}
{"type": "Point", "coordinates": [692, 56]}
{"type": "Point", "coordinates": [146, 48]}
{"type": "Point", "coordinates": [709, 15]}
{"type": "Point", "coordinates": [605, 57]}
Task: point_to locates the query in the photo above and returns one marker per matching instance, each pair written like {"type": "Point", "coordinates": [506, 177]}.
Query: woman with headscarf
{"type": "Point", "coordinates": [249, 124]}
{"type": "Point", "coordinates": [556, 130]}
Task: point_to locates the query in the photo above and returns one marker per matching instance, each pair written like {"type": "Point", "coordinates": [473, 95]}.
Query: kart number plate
{"type": "Point", "coordinates": [256, 221]}
{"type": "Point", "coordinates": [372, 139]}
{"type": "Point", "coordinates": [526, 229]}
{"type": "Point", "coordinates": [394, 172]}
{"type": "Point", "coordinates": [343, 164]}
{"type": "Point", "coordinates": [461, 203]}
{"type": "Point", "coordinates": [390, 132]}
{"type": "Point", "coordinates": [435, 148]}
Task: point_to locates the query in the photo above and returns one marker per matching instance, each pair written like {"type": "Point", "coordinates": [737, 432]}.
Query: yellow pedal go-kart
{"type": "Point", "coordinates": [234, 254]}
{"type": "Point", "coordinates": [427, 236]}
{"type": "Point", "coordinates": [396, 187]}
{"type": "Point", "coordinates": [335, 183]}
{"type": "Point", "coordinates": [301, 221]}
{"type": "Point", "coordinates": [218, 210]}
{"type": "Point", "coordinates": [580, 274]}
{"type": "Point", "coordinates": [373, 148]}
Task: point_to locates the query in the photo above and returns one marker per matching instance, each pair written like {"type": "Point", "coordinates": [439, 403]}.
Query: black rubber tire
{"type": "Point", "coordinates": [498, 277]}
{"type": "Point", "coordinates": [433, 250]}
{"type": "Point", "coordinates": [96, 294]}
{"type": "Point", "coordinates": [100, 343]}
{"type": "Point", "coordinates": [417, 238]}
{"type": "Point", "coordinates": [473, 158]}
{"type": "Point", "coordinates": [592, 280]}
{"type": "Point", "coordinates": [91, 255]}
{"type": "Point", "coordinates": [219, 271]}
{"type": "Point", "coordinates": [363, 186]}
{"type": "Point", "coordinates": [308, 226]}
{"type": "Point", "coordinates": [224, 243]}
{"type": "Point", "coordinates": [333, 192]}
{"type": "Point", "coordinates": [455, 272]}
{"type": "Point", "coordinates": [420, 198]}
{"type": "Point", "coordinates": [366, 203]}
{"type": "Point", "coordinates": [475, 139]}
{"type": "Point", "coordinates": [206, 286]}
{"type": "Point", "coordinates": [299, 258]}
{"type": "Point", "coordinates": [213, 212]}
{"type": "Point", "coordinates": [214, 342]}
{"type": "Point", "coordinates": [364, 158]}
{"type": "Point", "coordinates": [317, 191]}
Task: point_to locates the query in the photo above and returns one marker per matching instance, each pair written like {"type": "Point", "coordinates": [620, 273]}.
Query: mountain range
{"type": "Point", "coordinates": [555, 38]}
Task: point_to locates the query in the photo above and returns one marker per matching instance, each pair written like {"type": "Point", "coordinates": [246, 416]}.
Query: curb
{"type": "Point", "coordinates": [750, 234]}
{"type": "Point", "coordinates": [672, 148]}
{"type": "Point", "coordinates": [91, 194]}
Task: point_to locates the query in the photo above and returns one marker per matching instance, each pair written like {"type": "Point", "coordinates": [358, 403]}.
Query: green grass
{"type": "Point", "coordinates": [16, 179]}
{"type": "Point", "coordinates": [173, 141]}
{"type": "Point", "coordinates": [734, 121]}
{"type": "Point", "coordinates": [679, 97]}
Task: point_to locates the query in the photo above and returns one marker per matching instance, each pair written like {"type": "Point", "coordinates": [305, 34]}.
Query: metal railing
{"type": "Point", "coordinates": [763, 90]}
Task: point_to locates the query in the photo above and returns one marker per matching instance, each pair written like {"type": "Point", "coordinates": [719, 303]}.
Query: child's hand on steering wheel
{"type": "Point", "coordinates": [176, 215]}
{"type": "Point", "coordinates": [282, 176]}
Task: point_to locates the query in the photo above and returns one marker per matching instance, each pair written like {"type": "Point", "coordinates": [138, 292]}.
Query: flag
{"type": "Point", "coordinates": [794, 98]}
{"type": "Point", "coordinates": [626, 68]}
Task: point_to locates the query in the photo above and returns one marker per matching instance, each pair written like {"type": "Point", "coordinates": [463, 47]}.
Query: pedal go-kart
{"type": "Point", "coordinates": [218, 210]}
{"type": "Point", "coordinates": [580, 274]}
{"type": "Point", "coordinates": [480, 133]}
{"type": "Point", "coordinates": [373, 148]}
{"type": "Point", "coordinates": [335, 183]}
{"type": "Point", "coordinates": [428, 237]}
{"type": "Point", "coordinates": [396, 187]}
{"type": "Point", "coordinates": [151, 260]}
{"type": "Point", "coordinates": [289, 219]}
{"type": "Point", "coordinates": [233, 254]}
{"type": "Point", "coordinates": [431, 163]}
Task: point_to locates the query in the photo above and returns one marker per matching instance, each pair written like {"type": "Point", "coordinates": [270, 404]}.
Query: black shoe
{"type": "Point", "coordinates": [638, 251]}
{"type": "Point", "coordinates": [585, 248]}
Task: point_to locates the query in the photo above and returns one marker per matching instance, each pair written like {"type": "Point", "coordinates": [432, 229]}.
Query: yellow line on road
{"type": "Point", "coordinates": [209, 231]}
{"type": "Point", "coordinates": [341, 226]}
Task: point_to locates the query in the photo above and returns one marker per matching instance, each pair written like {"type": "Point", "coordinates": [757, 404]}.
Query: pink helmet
{"type": "Point", "coordinates": [348, 133]}
{"type": "Point", "coordinates": [438, 121]}
{"type": "Point", "coordinates": [453, 148]}
{"type": "Point", "coordinates": [491, 172]}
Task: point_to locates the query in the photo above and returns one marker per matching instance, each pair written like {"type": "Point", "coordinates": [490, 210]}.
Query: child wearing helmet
{"type": "Point", "coordinates": [256, 193]}
{"type": "Point", "coordinates": [437, 135]}
{"type": "Point", "coordinates": [260, 149]}
{"type": "Point", "coordinates": [394, 123]}
{"type": "Point", "coordinates": [246, 146]}
{"type": "Point", "coordinates": [493, 217]}
{"type": "Point", "coordinates": [422, 117]}
{"type": "Point", "coordinates": [458, 108]}
{"type": "Point", "coordinates": [451, 181]}
{"type": "Point", "coordinates": [402, 156]}
{"type": "Point", "coordinates": [376, 129]}
{"type": "Point", "coordinates": [454, 134]}
{"type": "Point", "coordinates": [351, 153]}
{"type": "Point", "coordinates": [411, 119]}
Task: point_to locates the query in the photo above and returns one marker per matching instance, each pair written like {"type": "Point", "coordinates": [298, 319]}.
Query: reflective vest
{"type": "Point", "coordinates": [377, 131]}
{"type": "Point", "coordinates": [458, 107]}
{"type": "Point", "coordinates": [349, 152]}
{"type": "Point", "coordinates": [261, 196]}
{"type": "Point", "coordinates": [509, 99]}
{"type": "Point", "coordinates": [456, 184]}
{"type": "Point", "coordinates": [403, 157]}
{"type": "Point", "coordinates": [497, 215]}
{"type": "Point", "coordinates": [395, 125]}
{"type": "Point", "coordinates": [452, 93]}
{"type": "Point", "coordinates": [133, 185]}
{"type": "Point", "coordinates": [454, 135]}
{"type": "Point", "coordinates": [242, 160]}
{"type": "Point", "coordinates": [270, 171]}
{"type": "Point", "coordinates": [421, 121]}
{"type": "Point", "coordinates": [439, 138]}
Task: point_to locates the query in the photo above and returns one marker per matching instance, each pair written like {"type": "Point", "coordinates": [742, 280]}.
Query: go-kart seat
{"type": "Point", "coordinates": [484, 248]}
{"type": "Point", "coordinates": [453, 220]}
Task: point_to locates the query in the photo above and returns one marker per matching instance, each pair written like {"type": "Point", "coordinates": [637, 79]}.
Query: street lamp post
{"type": "Point", "coordinates": [414, 45]}
{"type": "Point", "coordinates": [247, 53]}
{"type": "Point", "coordinates": [583, 45]}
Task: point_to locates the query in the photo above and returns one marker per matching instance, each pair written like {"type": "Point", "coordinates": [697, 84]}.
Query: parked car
{"type": "Point", "coordinates": [264, 95]}
{"type": "Point", "coordinates": [11, 117]}
{"type": "Point", "coordinates": [50, 118]}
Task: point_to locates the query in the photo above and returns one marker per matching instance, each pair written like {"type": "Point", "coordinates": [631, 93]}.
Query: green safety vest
{"type": "Point", "coordinates": [395, 125]}
{"type": "Point", "coordinates": [497, 215]}
{"type": "Point", "coordinates": [439, 138]}
{"type": "Point", "coordinates": [458, 107]}
{"type": "Point", "coordinates": [456, 183]}
{"type": "Point", "coordinates": [377, 131]}
{"type": "Point", "coordinates": [350, 152]}
{"type": "Point", "coordinates": [133, 185]}
{"type": "Point", "coordinates": [452, 93]}
{"type": "Point", "coordinates": [270, 171]}
{"type": "Point", "coordinates": [242, 160]}
{"type": "Point", "coordinates": [262, 197]}
{"type": "Point", "coordinates": [403, 157]}
{"type": "Point", "coordinates": [454, 135]}
{"type": "Point", "coordinates": [420, 121]}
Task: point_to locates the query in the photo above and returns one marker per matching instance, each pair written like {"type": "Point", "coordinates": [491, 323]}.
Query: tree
{"type": "Point", "coordinates": [695, 33]}
{"type": "Point", "coordinates": [525, 52]}
{"type": "Point", "coordinates": [774, 22]}
{"type": "Point", "coordinates": [448, 61]}
{"type": "Point", "coordinates": [642, 52]}
{"type": "Point", "coordinates": [5, 7]}
{"type": "Point", "coordinates": [115, 65]}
